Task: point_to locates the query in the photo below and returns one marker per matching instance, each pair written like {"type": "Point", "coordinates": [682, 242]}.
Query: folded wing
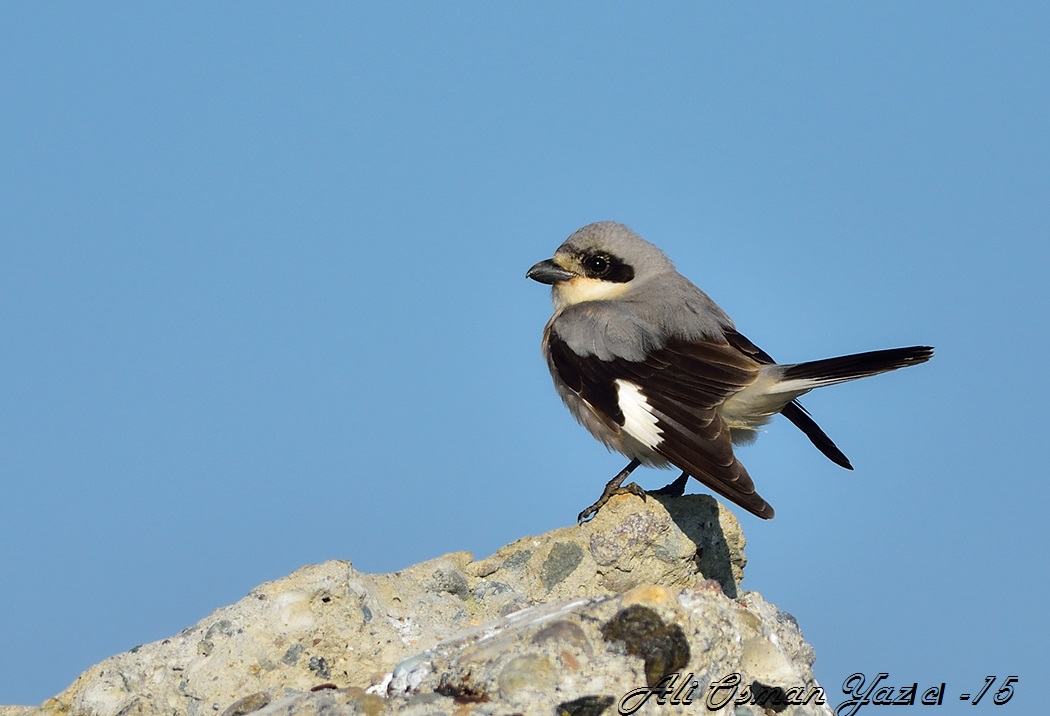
{"type": "Point", "coordinates": [680, 386]}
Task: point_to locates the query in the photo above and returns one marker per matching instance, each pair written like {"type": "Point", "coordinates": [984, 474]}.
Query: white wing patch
{"type": "Point", "coordinates": [638, 419]}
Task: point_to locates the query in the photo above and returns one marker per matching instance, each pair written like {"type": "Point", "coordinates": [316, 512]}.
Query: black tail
{"type": "Point", "coordinates": [854, 366]}
{"type": "Point", "coordinates": [858, 365]}
{"type": "Point", "coordinates": [794, 412]}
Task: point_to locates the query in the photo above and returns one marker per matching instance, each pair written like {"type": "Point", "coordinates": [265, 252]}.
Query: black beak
{"type": "Point", "coordinates": [549, 272]}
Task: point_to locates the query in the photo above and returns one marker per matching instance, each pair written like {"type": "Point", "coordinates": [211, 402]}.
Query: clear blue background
{"type": "Point", "coordinates": [262, 301]}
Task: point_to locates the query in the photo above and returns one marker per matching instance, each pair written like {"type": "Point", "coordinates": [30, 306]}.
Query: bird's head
{"type": "Point", "coordinates": [600, 262]}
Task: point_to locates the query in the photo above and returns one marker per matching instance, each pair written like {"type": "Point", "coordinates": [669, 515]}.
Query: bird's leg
{"type": "Point", "coordinates": [613, 488]}
{"type": "Point", "coordinates": [675, 489]}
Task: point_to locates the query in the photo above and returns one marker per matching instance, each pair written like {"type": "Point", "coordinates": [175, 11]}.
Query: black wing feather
{"type": "Point", "coordinates": [684, 383]}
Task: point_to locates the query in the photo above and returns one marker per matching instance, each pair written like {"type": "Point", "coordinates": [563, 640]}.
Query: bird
{"type": "Point", "coordinates": [653, 368]}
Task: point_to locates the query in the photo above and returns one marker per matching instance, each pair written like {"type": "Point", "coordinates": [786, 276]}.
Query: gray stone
{"type": "Point", "coordinates": [567, 622]}
{"type": "Point", "coordinates": [446, 578]}
{"type": "Point", "coordinates": [564, 557]}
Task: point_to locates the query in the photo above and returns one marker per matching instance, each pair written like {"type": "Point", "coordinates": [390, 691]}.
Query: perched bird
{"type": "Point", "coordinates": [654, 369]}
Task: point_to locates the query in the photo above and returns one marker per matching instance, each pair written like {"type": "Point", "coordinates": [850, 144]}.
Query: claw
{"type": "Point", "coordinates": [630, 489]}
{"type": "Point", "coordinates": [613, 488]}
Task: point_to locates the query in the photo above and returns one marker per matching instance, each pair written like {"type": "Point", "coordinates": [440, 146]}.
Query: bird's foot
{"type": "Point", "coordinates": [610, 491]}
{"type": "Point", "coordinates": [675, 489]}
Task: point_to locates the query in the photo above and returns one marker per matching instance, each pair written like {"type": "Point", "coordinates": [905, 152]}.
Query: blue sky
{"type": "Point", "coordinates": [262, 300]}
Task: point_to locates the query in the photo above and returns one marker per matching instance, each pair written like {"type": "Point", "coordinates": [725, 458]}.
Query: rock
{"type": "Point", "coordinates": [569, 622]}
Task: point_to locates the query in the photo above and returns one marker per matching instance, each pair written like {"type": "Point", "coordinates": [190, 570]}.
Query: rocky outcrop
{"type": "Point", "coordinates": [639, 609]}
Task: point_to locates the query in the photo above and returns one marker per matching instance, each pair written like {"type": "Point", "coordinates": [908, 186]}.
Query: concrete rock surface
{"type": "Point", "coordinates": [642, 600]}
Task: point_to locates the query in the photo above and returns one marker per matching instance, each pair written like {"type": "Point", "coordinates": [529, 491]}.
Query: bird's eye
{"type": "Point", "coordinates": [597, 266]}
